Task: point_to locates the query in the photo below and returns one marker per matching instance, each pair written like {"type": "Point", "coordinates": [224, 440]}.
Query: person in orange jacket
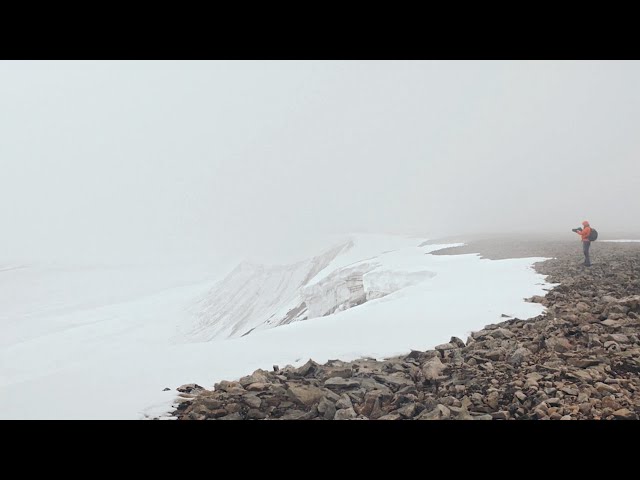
{"type": "Point", "coordinates": [586, 243]}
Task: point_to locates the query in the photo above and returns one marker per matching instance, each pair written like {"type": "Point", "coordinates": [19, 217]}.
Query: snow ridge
{"type": "Point", "coordinates": [254, 297]}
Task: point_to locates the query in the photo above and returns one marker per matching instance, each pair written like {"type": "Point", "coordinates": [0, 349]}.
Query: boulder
{"type": "Point", "coordinates": [259, 376]}
{"type": "Point", "coordinates": [341, 383]}
{"type": "Point", "coordinates": [519, 355]}
{"type": "Point", "coordinates": [408, 411]}
{"type": "Point", "coordinates": [252, 400]}
{"type": "Point", "coordinates": [433, 368]}
{"type": "Point", "coordinates": [326, 409]}
{"type": "Point", "coordinates": [445, 346]}
{"type": "Point", "coordinates": [344, 402]}
{"type": "Point", "coordinates": [308, 369]}
{"type": "Point", "coordinates": [232, 416]}
{"type": "Point", "coordinates": [394, 381]}
{"type": "Point", "coordinates": [582, 307]}
{"type": "Point", "coordinates": [189, 388]}
{"type": "Point", "coordinates": [624, 414]}
{"type": "Point", "coordinates": [258, 387]}
{"type": "Point", "coordinates": [441, 412]}
{"type": "Point", "coordinates": [345, 414]}
{"type": "Point", "coordinates": [305, 394]}
{"type": "Point", "coordinates": [391, 416]}
{"type": "Point", "coordinates": [557, 344]}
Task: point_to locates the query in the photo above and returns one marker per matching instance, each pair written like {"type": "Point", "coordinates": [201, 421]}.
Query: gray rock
{"type": "Point", "coordinates": [433, 368]}
{"type": "Point", "coordinates": [585, 408]}
{"type": "Point", "coordinates": [373, 401]}
{"type": "Point", "coordinates": [220, 412]}
{"type": "Point", "coordinates": [233, 407]}
{"type": "Point", "coordinates": [558, 344]}
{"type": "Point", "coordinates": [344, 402]}
{"type": "Point", "coordinates": [252, 400]}
{"type": "Point", "coordinates": [603, 387]}
{"type": "Point", "coordinates": [612, 346]}
{"type": "Point", "coordinates": [340, 382]}
{"type": "Point", "coordinates": [461, 413]}
{"type": "Point", "coordinates": [583, 375]}
{"type": "Point", "coordinates": [293, 415]}
{"type": "Point", "coordinates": [570, 391]}
{"type": "Point", "coordinates": [394, 381]}
{"type": "Point", "coordinates": [305, 394]}
{"type": "Point", "coordinates": [308, 369]}
{"type": "Point", "coordinates": [492, 399]}
{"type": "Point", "coordinates": [441, 412]}
{"type": "Point", "coordinates": [519, 355]}
{"type": "Point", "coordinates": [259, 376]}
{"type": "Point", "coordinates": [345, 414]}
{"type": "Point", "coordinates": [502, 333]}
{"type": "Point", "coordinates": [212, 403]}
{"type": "Point", "coordinates": [611, 323]}
{"type": "Point", "coordinates": [225, 386]}
{"type": "Point", "coordinates": [334, 397]}
{"type": "Point", "coordinates": [485, 416]}
{"type": "Point", "coordinates": [624, 414]}
{"type": "Point", "coordinates": [618, 337]}
{"type": "Point", "coordinates": [258, 387]}
{"type": "Point", "coordinates": [189, 388]}
{"type": "Point", "coordinates": [583, 362]}
{"type": "Point", "coordinates": [408, 411]}
{"type": "Point", "coordinates": [535, 376]}
{"type": "Point", "coordinates": [369, 384]}
{"type": "Point", "coordinates": [610, 402]}
{"type": "Point", "coordinates": [582, 307]}
{"type": "Point", "coordinates": [494, 355]}
{"type": "Point", "coordinates": [479, 335]}
{"type": "Point", "coordinates": [501, 415]}
{"type": "Point", "coordinates": [327, 409]}
{"type": "Point", "coordinates": [232, 416]}
{"type": "Point", "coordinates": [255, 414]}
{"type": "Point", "coordinates": [391, 416]}
{"type": "Point", "coordinates": [415, 355]}
{"type": "Point", "coordinates": [345, 372]}
{"type": "Point", "coordinates": [445, 346]}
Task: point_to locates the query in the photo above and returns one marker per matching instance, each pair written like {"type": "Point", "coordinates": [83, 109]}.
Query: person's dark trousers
{"type": "Point", "coordinates": [585, 249]}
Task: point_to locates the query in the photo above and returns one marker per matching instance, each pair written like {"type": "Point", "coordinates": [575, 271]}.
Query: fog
{"type": "Point", "coordinates": [183, 161]}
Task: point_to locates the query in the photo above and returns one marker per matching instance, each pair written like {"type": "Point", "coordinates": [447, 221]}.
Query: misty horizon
{"type": "Point", "coordinates": [115, 161]}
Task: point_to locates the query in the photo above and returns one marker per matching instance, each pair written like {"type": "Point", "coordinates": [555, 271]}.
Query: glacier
{"type": "Point", "coordinates": [97, 351]}
{"type": "Point", "coordinates": [253, 297]}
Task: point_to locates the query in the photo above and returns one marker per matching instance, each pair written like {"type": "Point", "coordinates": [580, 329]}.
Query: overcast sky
{"type": "Point", "coordinates": [180, 160]}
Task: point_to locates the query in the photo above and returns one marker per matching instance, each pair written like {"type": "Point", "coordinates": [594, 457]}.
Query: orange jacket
{"type": "Point", "coordinates": [584, 233]}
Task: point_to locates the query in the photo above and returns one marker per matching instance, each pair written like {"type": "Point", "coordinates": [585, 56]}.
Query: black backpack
{"type": "Point", "coordinates": [593, 236]}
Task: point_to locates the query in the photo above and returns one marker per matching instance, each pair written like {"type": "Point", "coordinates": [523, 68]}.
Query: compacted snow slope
{"type": "Point", "coordinates": [367, 295]}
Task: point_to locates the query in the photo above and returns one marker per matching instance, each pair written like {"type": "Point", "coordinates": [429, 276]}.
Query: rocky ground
{"type": "Point", "coordinates": [578, 360]}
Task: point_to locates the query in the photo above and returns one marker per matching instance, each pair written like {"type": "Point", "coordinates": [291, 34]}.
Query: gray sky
{"type": "Point", "coordinates": [183, 160]}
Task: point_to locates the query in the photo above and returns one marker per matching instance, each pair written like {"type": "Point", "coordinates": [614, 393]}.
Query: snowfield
{"type": "Point", "coordinates": [85, 344]}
